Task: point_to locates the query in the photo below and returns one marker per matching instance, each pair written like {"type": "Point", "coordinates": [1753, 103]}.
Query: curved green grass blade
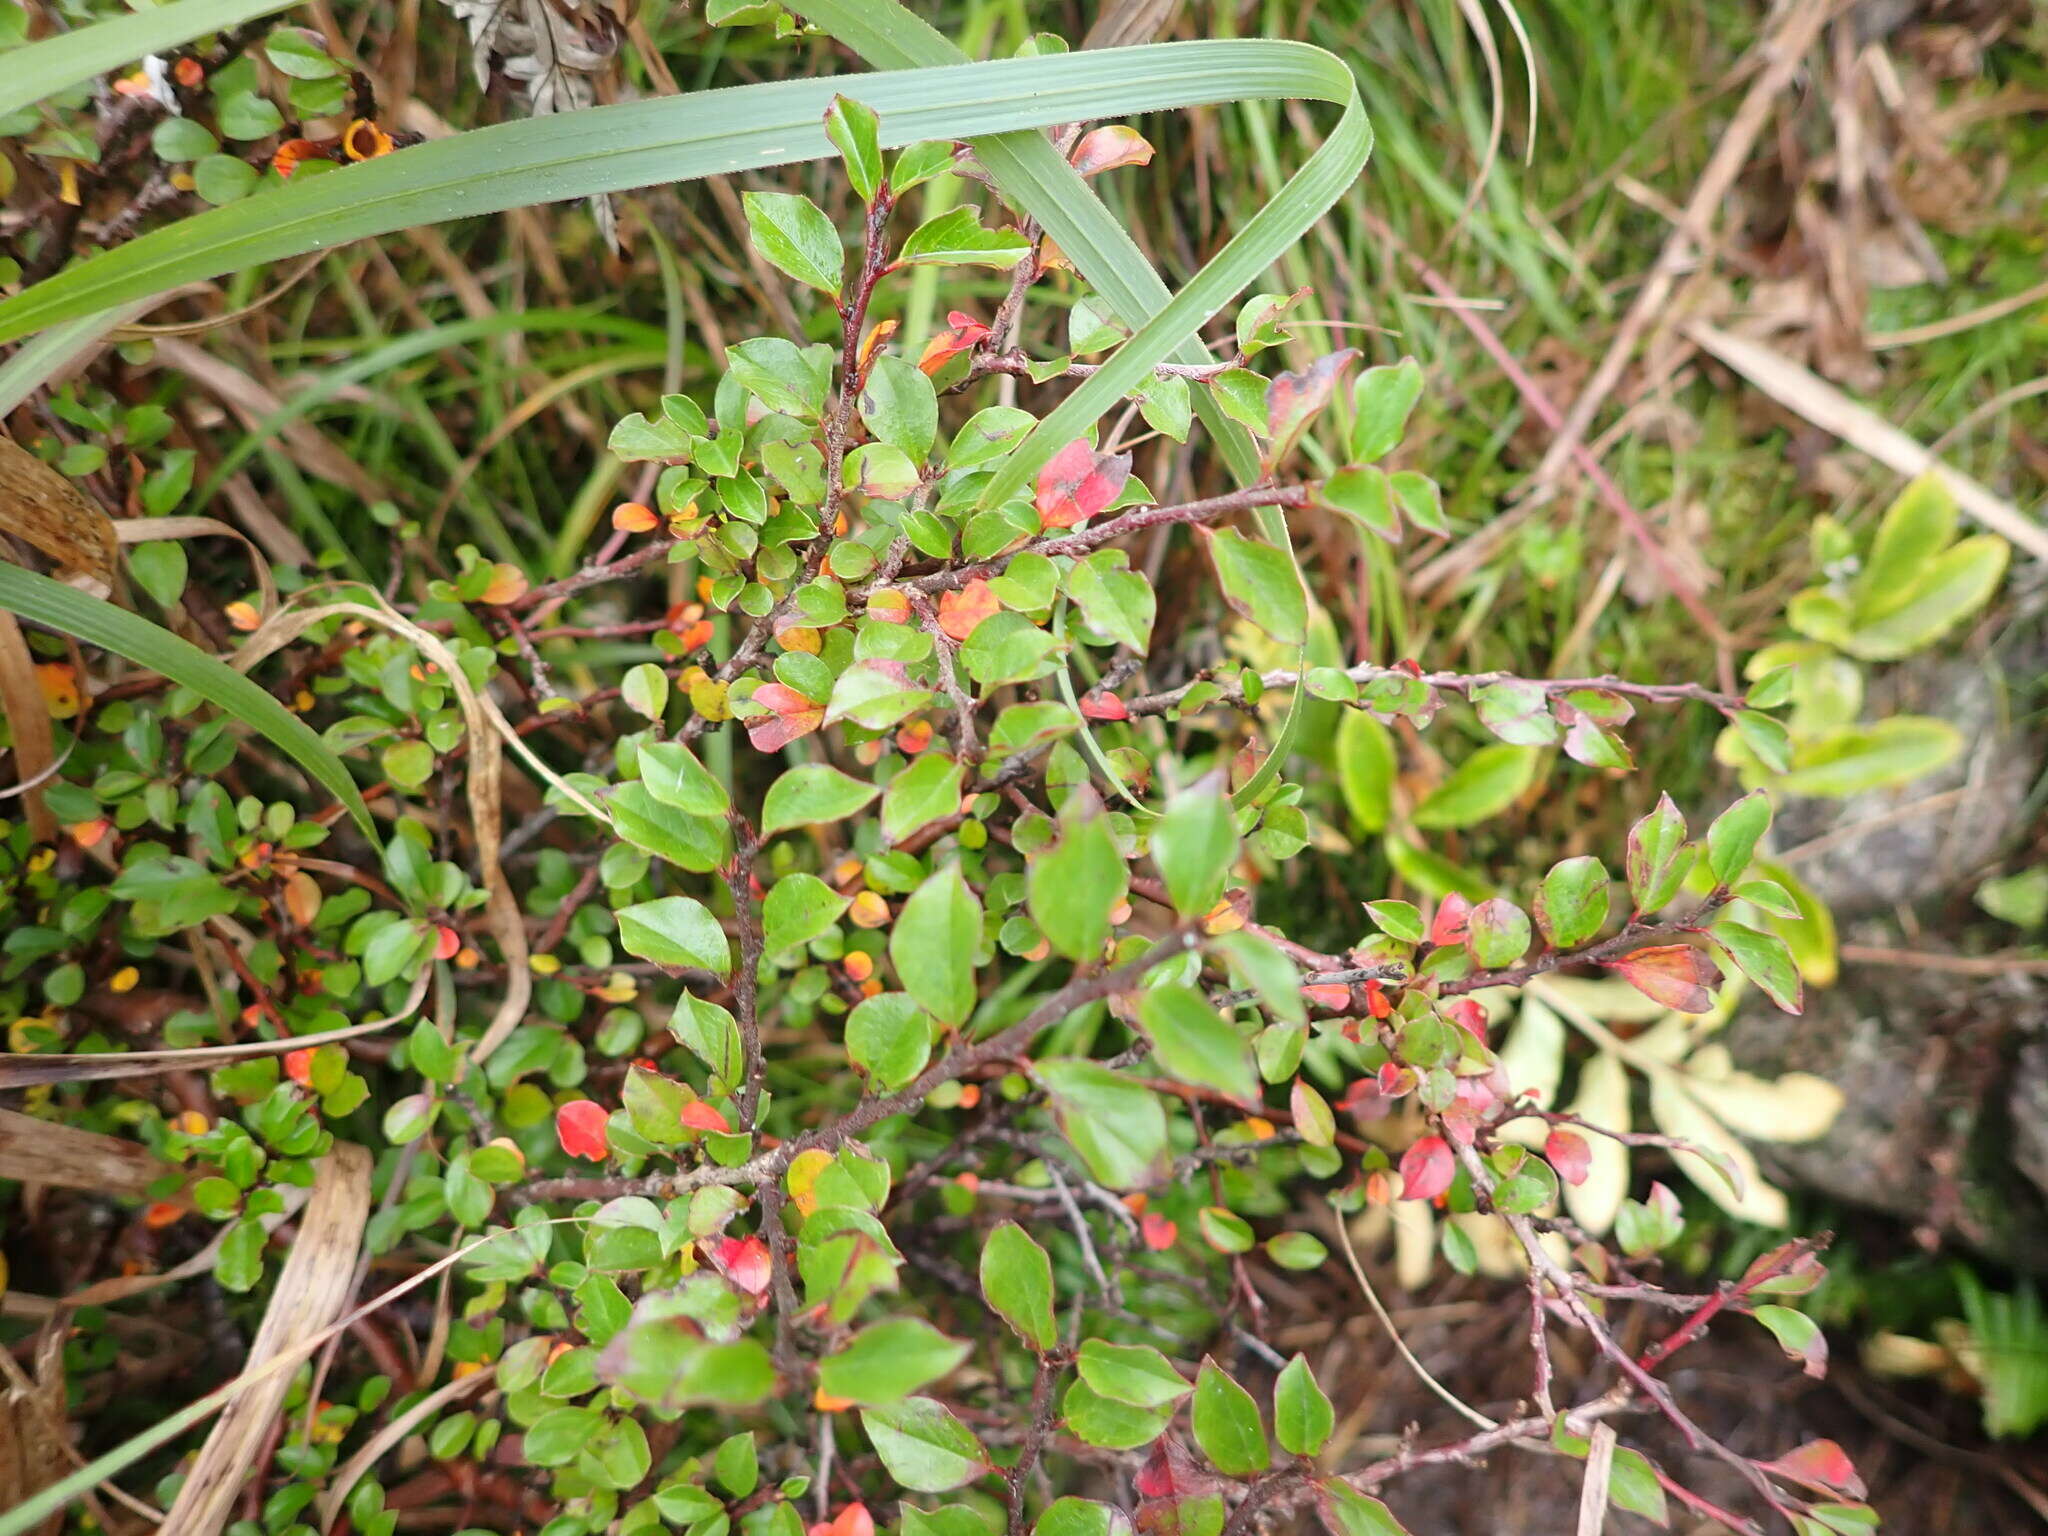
{"type": "Point", "coordinates": [48, 602]}
{"type": "Point", "coordinates": [642, 143]}
{"type": "Point", "coordinates": [44, 68]}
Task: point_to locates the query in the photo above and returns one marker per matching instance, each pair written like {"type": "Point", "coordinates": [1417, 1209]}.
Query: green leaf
{"type": "Point", "coordinates": [1016, 1281]}
{"type": "Point", "coordinates": [1260, 583]}
{"type": "Point", "coordinates": [956, 238]}
{"type": "Point", "coordinates": [855, 133]}
{"type": "Point", "coordinates": [794, 234]}
{"type": "Point", "coordinates": [887, 1362]}
{"type": "Point", "coordinates": [159, 566]}
{"type": "Point", "coordinates": [1766, 736]}
{"type": "Point", "coordinates": [923, 1446]}
{"type": "Point", "coordinates": [1366, 497]}
{"type": "Point", "coordinates": [889, 1037]}
{"type": "Point", "coordinates": [1734, 835]}
{"type": "Point", "coordinates": [1571, 904]}
{"type": "Point", "coordinates": [179, 139]}
{"type": "Point", "coordinates": [1381, 402]}
{"type": "Point", "coordinates": [799, 908]}
{"type": "Point", "coordinates": [299, 56]}
{"type": "Point", "coordinates": [1950, 588]}
{"type": "Point", "coordinates": [737, 1464]}
{"type": "Point", "coordinates": [1195, 844]}
{"type": "Point", "coordinates": [1485, 784]}
{"type": "Point", "coordinates": [1398, 920]}
{"type": "Point", "coordinates": [1069, 1516]}
{"type": "Point", "coordinates": [676, 931]}
{"type": "Point", "coordinates": [48, 602]}
{"type": "Point", "coordinates": [926, 791]}
{"type": "Point", "coordinates": [674, 776]}
{"type": "Point", "coordinates": [1104, 1422]}
{"type": "Point", "coordinates": [1886, 752]}
{"type": "Point", "coordinates": [815, 792]}
{"type": "Point", "coordinates": [1196, 1044]}
{"type": "Point", "coordinates": [899, 406]}
{"type": "Point", "coordinates": [221, 179]}
{"type": "Point", "coordinates": [1226, 1424]}
{"type": "Point", "coordinates": [644, 690]}
{"type": "Point", "coordinates": [1072, 886]}
{"type": "Point", "coordinates": [1658, 856]}
{"type": "Point", "coordinates": [934, 944]}
{"type": "Point", "coordinates": [1007, 648]}
{"type": "Point", "coordinates": [1764, 959]}
{"type": "Point", "coordinates": [1302, 1416]}
{"type": "Point", "coordinates": [1911, 536]}
{"type": "Point", "coordinates": [1118, 1126]}
{"type": "Point", "coordinates": [1365, 769]}
{"type": "Point", "coordinates": [1134, 1374]}
{"type": "Point", "coordinates": [1498, 933]}
{"type": "Point", "coordinates": [1348, 1512]}
{"type": "Point", "coordinates": [1117, 602]}
{"type": "Point", "coordinates": [668, 1364]}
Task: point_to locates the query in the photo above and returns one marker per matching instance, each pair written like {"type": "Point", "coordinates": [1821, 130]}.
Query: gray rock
{"type": "Point", "coordinates": [1901, 846]}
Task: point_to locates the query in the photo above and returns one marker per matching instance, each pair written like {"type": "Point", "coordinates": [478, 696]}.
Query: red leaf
{"type": "Point", "coordinates": [447, 943]}
{"type": "Point", "coordinates": [962, 612]}
{"type": "Point", "coordinates": [794, 716]}
{"type": "Point", "coordinates": [1819, 1464]}
{"type": "Point", "coordinates": [1470, 1017]}
{"type": "Point", "coordinates": [745, 1263]}
{"type": "Point", "coordinates": [1427, 1169]}
{"type": "Point", "coordinates": [1104, 149]}
{"type": "Point", "coordinates": [1078, 482]}
{"type": "Point", "coordinates": [1453, 918]}
{"type": "Point", "coordinates": [964, 331]}
{"type": "Point", "coordinates": [1096, 705]}
{"type": "Point", "coordinates": [1377, 1003]}
{"type": "Point", "coordinates": [1676, 975]}
{"type": "Point", "coordinates": [1160, 1234]}
{"type": "Point", "coordinates": [298, 1066]}
{"type": "Point", "coordinates": [1172, 1472]}
{"type": "Point", "coordinates": [1567, 1152]}
{"type": "Point", "coordinates": [1330, 995]}
{"type": "Point", "coordinates": [702, 1115]}
{"type": "Point", "coordinates": [580, 1127]}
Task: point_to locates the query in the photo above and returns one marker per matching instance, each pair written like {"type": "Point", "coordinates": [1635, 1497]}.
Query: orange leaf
{"type": "Point", "coordinates": [633, 517]}
{"type": "Point", "coordinates": [962, 332]}
{"type": "Point", "coordinates": [1819, 1464]}
{"type": "Point", "coordinates": [1676, 975]}
{"type": "Point", "coordinates": [961, 612]}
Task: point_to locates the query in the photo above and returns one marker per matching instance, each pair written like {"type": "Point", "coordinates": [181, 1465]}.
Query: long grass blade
{"type": "Point", "coordinates": [44, 601]}
{"type": "Point", "coordinates": [643, 143]}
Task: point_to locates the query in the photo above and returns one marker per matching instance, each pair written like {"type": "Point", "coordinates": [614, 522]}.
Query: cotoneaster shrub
{"type": "Point", "coordinates": [851, 1099]}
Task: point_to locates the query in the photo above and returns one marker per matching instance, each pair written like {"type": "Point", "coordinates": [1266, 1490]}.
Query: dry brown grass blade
{"type": "Point", "coordinates": [47, 1152]}
{"type": "Point", "coordinates": [32, 1438]}
{"type": "Point", "coordinates": [43, 508]}
{"type": "Point", "coordinates": [1786, 52]}
{"type": "Point", "coordinates": [250, 402]}
{"type": "Point", "coordinates": [311, 1291]}
{"type": "Point", "coordinates": [145, 530]}
{"type": "Point", "coordinates": [1599, 1473]}
{"type": "Point", "coordinates": [28, 1071]}
{"type": "Point", "coordinates": [391, 1434]}
{"type": "Point", "coordinates": [1819, 402]}
{"type": "Point", "coordinates": [28, 726]}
